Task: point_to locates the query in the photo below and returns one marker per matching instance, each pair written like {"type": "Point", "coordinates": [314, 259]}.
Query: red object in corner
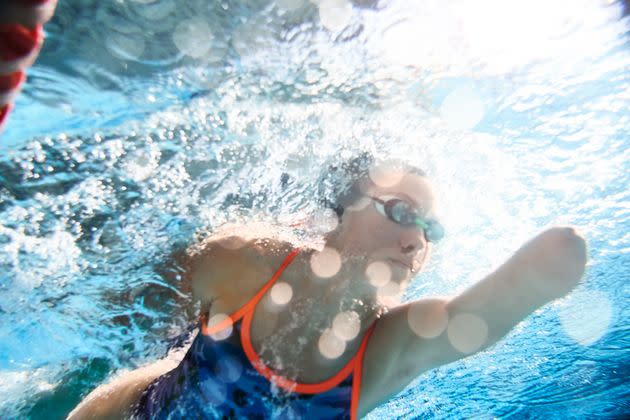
{"type": "Point", "coordinates": [34, 2]}
{"type": "Point", "coordinates": [9, 82]}
{"type": "Point", "coordinates": [4, 112]}
{"type": "Point", "coordinates": [16, 41]}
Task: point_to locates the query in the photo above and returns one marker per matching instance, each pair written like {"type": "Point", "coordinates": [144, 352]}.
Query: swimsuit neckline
{"type": "Point", "coordinates": [246, 314]}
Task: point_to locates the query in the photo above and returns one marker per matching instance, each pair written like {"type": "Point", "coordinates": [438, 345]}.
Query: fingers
{"type": "Point", "coordinates": [21, 39]}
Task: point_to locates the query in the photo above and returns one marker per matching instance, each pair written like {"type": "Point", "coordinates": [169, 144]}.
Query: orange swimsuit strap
{"type": "Point", "coordinates": [246, 313]}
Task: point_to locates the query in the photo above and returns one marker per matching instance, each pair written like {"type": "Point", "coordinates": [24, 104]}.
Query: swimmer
{"type": "Point", "coordinates": [21, 38]}
{"type": "Point", "coordinates": [292, 330]}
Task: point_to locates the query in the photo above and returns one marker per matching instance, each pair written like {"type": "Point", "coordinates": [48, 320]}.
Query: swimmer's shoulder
{"type": "Point", "coordinates": [116, 399]}
{"type": "Point", "coordinates": [235, 262]}
{"type": "Point", "coordinates": [254, 244]}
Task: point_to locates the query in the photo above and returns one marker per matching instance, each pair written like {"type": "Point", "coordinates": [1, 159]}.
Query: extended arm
{"type": "Point", "coordinates": [431, 332]}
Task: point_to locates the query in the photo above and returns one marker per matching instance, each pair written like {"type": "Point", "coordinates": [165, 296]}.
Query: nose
{"type": "Point", "coordinates": [412, 241]}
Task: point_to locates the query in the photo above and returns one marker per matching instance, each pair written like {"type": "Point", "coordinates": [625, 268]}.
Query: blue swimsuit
{"type": "Point", "coordinates": [225, 378]}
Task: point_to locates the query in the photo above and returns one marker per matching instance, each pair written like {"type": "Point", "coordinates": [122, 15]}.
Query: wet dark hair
{"type": "Point", "coordinates": [339, 185]}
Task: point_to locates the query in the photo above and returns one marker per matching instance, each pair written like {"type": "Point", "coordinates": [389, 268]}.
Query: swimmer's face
{"type": "Point", "coordinates": [367, 231]}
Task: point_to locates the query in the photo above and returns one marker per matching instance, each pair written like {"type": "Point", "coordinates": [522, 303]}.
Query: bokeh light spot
{"type": "Point", "coordinates": [335, 14]}
{"type": "Point", "coordinates": [467, 332]}
{"type": "Point", "coordinates": [225, 332]}
{"type": "Point", "coordinates": [125, 46]}
{"type": "Point", "coordinates": [385, 177]}
{"type": "Point", "coordinates": [346, 325]}
{"type": "Point", "coordinates": [193, 37]}
{"type": "Point", "coordinates": [213, 390]}
{"type": "Point", "coordinates": [281, 293]}
{"type": "Point", "coordinates": [326, 263]}
{"type": "Point", "coordinates": [229, 369]}
{"type": "Point", "coordinates": [378, 273]}
{"type": "Point", "coordinates": [585, 316]}
{"type": "Point", "coordinates": [360, 204]}
{"type": "Point", "coordinates": [155, 10]}
{"type": "Point", "coordinates": [463, 108]}
{"type": "Point", "coordinates": [325, 221]}
{"type": "Point", "coordinates": [290, 5]}
{"type": "Point", "coordinates": [232, 242]}
{"type": "Point", "coordinates": [331, 346]}
{"type": "Point", "coordinates": [427, 319]}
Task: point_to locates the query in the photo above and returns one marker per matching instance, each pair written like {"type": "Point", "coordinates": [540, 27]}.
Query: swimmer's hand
{"type": "Point", "coordinates": [21, 39]}
{"type": "Point", "coordinates": [554, 262]}
{"type": "Point", "coordinates": [427, 333]}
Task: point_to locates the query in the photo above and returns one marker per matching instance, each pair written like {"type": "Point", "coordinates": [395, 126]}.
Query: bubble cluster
{"type": "Point", "coordinates": [326, 263]}
{"type": "Point", "coordinates": [467, 332]}
{"type": "Point", "coordinates": [281, 293]}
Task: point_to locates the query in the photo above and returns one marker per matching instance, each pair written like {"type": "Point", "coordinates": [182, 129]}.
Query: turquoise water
{"type": "Point", "coordinates": [130, 141]}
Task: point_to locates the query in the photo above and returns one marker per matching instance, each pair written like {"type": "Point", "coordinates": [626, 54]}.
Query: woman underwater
{"type": "Point", "coordinates": [288, 330]}
{"type": "Point", "coordinates": [291, 330]}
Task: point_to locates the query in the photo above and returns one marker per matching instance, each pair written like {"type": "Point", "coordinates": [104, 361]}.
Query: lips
{"type": "Point", "coordinates": [401, 263]}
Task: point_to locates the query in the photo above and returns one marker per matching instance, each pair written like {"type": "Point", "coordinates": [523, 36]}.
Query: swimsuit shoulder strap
{"type": "Point", "coordinates": [249, 306]}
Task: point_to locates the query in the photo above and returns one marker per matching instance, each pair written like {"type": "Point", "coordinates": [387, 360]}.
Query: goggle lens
{"type": "Point", "coordinates": [403, 213]}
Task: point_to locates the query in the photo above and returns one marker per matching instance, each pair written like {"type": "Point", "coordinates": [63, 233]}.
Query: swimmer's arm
{"type": "Point", "coordinates": [545, 268]}
{"type": "Point", "coordinates": [117, 398]}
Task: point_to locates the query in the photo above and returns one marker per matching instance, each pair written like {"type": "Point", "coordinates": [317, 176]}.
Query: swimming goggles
{"type": "Point", "coordinates": [401, 212]}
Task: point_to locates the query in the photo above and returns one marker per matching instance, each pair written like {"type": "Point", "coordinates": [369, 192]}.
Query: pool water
{"type": "Point", "coordinates": [146, 124]}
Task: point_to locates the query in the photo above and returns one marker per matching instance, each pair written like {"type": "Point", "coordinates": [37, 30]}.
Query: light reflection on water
{"type": "Point", "coordinates": [129, 138]}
